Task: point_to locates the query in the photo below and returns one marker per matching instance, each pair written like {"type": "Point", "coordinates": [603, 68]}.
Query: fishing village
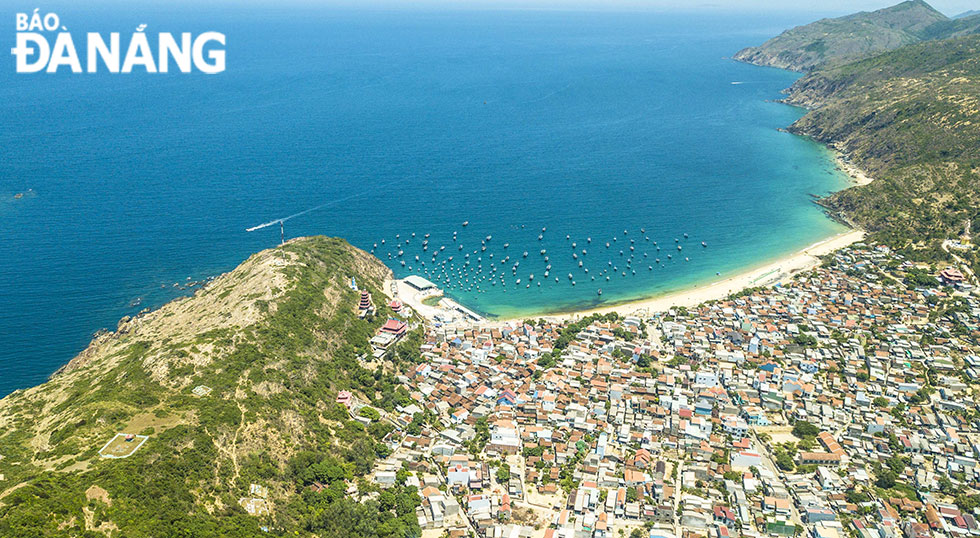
{"type": "Point", "coordinates": [834, 404]}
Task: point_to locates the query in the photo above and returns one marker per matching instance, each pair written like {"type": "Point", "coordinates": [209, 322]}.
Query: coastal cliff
{"type": "Point", "coordinates": [844, 39]}
{"type": "Point", "coordinates": [907, 117]}
{"type": "Point", "coordinates": [231, 387]}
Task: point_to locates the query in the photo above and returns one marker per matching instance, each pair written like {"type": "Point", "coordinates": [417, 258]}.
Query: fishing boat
{"type": "Point", "coordinates": [466, 223]}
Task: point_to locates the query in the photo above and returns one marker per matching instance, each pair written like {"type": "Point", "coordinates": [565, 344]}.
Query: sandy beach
{"type": "Point", "coordinates": [769, 274]}
{"type": "Point", "coordinates": [858, 176]}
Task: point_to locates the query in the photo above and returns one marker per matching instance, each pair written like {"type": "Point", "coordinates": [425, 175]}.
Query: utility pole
{"type": "Point", "coordinates": [282, 243]}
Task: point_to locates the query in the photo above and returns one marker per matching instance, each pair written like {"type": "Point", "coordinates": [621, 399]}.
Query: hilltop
{"type": "Point", "coordinates": [231, 387]}
{"type": "Point", "coordinates": [908, 118]}
{"type": "Point", "coordinates": [844, 39]}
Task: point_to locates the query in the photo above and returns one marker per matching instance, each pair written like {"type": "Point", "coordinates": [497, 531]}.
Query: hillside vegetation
{"type": "Point", "coordinates": [844, 39]}
{"type": "Point", "coordinates": [275, 340]}
{"type": "Point", "coordinates": [910, 118]}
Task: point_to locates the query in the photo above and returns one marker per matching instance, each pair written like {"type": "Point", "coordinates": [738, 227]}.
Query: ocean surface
{"type": "Point", "coordinates": [376, 125]}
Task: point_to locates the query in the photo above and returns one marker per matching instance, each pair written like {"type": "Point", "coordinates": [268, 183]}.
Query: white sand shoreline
{"type": "Point", "coordinates": [768, 274]}
{"type": "Point", "coordinates": [856, 175]}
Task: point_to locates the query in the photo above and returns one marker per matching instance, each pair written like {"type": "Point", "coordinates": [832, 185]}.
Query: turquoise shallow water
{"type": "Point", "coordinates": [391, 123]}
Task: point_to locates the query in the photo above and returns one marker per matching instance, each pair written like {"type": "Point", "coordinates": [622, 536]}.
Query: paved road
{"type": "Point", "coordinates": [769, 463]}
{"type": "Point", "coordinates": [677, 497]}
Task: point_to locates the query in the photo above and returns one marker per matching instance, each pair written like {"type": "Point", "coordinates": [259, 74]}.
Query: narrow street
{"type": "Point", "coordinates": [677, 497]}
{"type": "Point", "coordinates": [769, 463]}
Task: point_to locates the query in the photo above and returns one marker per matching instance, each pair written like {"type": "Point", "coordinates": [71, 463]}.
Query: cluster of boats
{"type": "Point", "coordinates": [482, 263]}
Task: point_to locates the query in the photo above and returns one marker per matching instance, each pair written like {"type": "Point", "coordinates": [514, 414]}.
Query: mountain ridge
{"type": "Point", "coordinates": [852, 37]}
{"type": "Point", "coordinates": [233, 386]}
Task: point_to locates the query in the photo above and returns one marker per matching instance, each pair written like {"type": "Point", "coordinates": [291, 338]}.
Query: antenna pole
{"type": "Point", "coordinates": [282, 234]}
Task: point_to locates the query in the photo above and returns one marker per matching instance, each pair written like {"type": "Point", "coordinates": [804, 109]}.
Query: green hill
{"type": "Point", "coordinates": [231, 387]}
{"type": "Point", "coordinates": [910, 118]}
{"type": "Point", "coordinates": [843, 39]}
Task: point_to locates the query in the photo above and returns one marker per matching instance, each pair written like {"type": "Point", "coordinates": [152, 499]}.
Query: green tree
{"type": "Point", "coordinates": [503, 472]}
{"type": "Point", "coordinates": [803, 429]}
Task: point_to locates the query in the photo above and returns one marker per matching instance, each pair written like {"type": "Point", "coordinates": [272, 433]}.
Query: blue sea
{"type": "Point", "coordinates": [627, 128]}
